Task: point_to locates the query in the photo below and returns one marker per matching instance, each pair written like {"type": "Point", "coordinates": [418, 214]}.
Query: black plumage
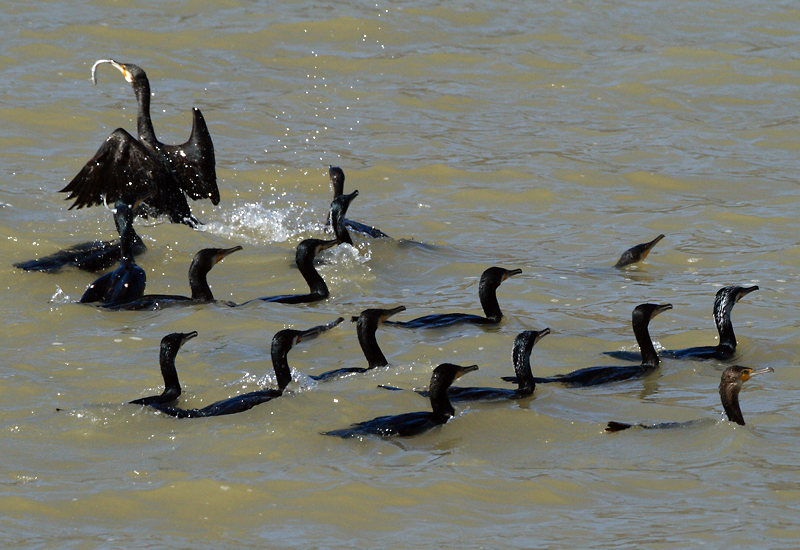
{"type": "Point", "coordinates": [127, 282]}
{"type": "Point", "coordinates": [202, 263]}
{"type": "Point", "coordinates": [282, 342]}
{"type": "Point", "coordinates": [367, 324]}
{"type": "Point", "coordinates": [414, 423]}
{"type": "Point", "coordinates": [487, 292]}
{"type": "Point", "coordinates": [637, 253]}
{"type": "Point", "coordinates": [594, 376]}
{"type": "Point", "coordinates": [726, 298]}
{"type": "Point", "coordinates": [125, 165]}
{"type": "Point", "coordinates": [336, 175]}
{"type": "Point", "coordinates": [306, 251]}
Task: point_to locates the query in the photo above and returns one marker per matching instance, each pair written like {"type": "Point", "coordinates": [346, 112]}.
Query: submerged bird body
{"type": "Point", "coordinates": [367, 324]}
{"type": "Point", "coordinates": [336, 175]}
{"type": "Point", "coordinates": [202, 263]}
{"type": "Point", "coordinates": [304, 259]}
{"type": "Point", "coordinates": [127, 282]}
{"type": "Point", "coordinates": [124, 164]}
{"type": "Point", "coordinates": [637, 253]}
{"type": "Point", "coordinates": [726, 298]}
{"type": "Point", "coordinates": [90, 256]}
{"type": "Point", "coordinates": [487, 292]}
{"type": "Point", "coordinates": [282, 342]}
{"type": "Point", "coordinates": [594, 376]}
{"type": "Point", "coordinates": [729, 386]}
{"type": "Point", "coordinates": [414, 423]}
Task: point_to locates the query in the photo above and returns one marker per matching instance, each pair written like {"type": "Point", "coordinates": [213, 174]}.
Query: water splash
{"type": "Point", "coordinates": [256, 224]}
{"type": "Point", "coordinates": [60, 297]}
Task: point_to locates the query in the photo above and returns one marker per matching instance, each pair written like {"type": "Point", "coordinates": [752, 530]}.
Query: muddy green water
{"type": "Point", "coordinates": [545, 136]}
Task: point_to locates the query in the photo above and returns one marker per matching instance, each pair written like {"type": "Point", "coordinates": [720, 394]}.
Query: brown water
{"type": "Point", "coordinates": [548, 137]}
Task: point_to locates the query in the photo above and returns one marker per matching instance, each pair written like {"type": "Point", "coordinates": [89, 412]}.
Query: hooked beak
{"type": "Point", "coordinates": [511, 273]}
{"type": "Point", "coordinates": [749, 373]}
{"type": "Point", "coordinates": [188, 336]}
{"type": "Point", "coordinates": [542, 334]}
{"type": "Point", "coordinates": [745, 291]}
{"type": "Point", "coordinates": [464, 370]}
{"type": "Point", "coordinates": [226, 252]}
{"type": "Point", "coordinates": [662, 308]}
{"type": "Point", "coordinates": [650, 246]}
{"type": "Point", "coordinates": [324, 245]}
{"type": "Point", "coordinates": [390, 312]}
{"type": "Point", "coordinates": [316, 331]}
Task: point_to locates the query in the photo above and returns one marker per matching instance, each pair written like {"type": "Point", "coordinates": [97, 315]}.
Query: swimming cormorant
{"type": "Point", "coordinates": [124, 164]}
{"type": "Point", "coordinates": [637, 253]}
{"type": "Point", "coordinates": [170, 345]}
{"type": "Point", "coordinates": [414, 423]}
{"type": "Point", "coordinates": [89, 256]}
{"type": "Point", "coordinates": [725, 299]}
{"type": "Point", "coordinates": [487, 291]}
{"type": "Point", "coordinates": [367, 324]}
{"type": "Point", "coordinates": [127, 282]}
{"type": "Point", "coordinates": [594, 376]}
{"type": "Point", "coordinates": [729, 386]}
{"type": "Point", "coordinates": [336, 175]}
{"type": "Point", "coordinates": [282, 342]}
{"type": "Point", "coordinates": [521, 357]}
{"type": "Point", "coordinates": [304, 258]}
{"type": "Point", "coordinates": [202, 263]}
{"type": "Point", "coordinates": [339, 208]}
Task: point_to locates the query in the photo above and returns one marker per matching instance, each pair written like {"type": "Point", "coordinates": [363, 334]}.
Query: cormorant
{"type": "Point", "coordinates": [367, 324]}
{"type": "Point", "coordinates": [594, 376]}
{"type": "Point", "coordinates": [487, 291]}
{"type": "Point", "coordinates": [729, 386]}
{"type": "Point", "coordinates": [723, 306]}
{"type": "Point", "coordinates": [202, 263]}
{"type": "Point", "coordinates": [282, 342]}
{"type": "Point", "coordinates": [127, 282]}
{"type": "Point", "coordinates": [124, 164]}
{"type": "Point", "coordinates": [637, 253]}
{"type": "Point", "coordinates": [89, 256]}
{"type": "Point", "coordinates": [336, 175]}
{"type": "Point", "coordinates": [304, 258]}
{"type": "Point", "coordinates": [170, 345]}
{"type": "Point", "coordinates": [414, 423]}
{"type": "Point", "coordinates": [339, 208]}
{"type": "Point", "coordinates": [521, 357]}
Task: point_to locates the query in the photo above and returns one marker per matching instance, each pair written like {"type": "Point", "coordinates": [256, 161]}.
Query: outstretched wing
{"type": "Point", "coordinates": [121, 166]}
{"type": "Point", "coordinates": [194, 162]}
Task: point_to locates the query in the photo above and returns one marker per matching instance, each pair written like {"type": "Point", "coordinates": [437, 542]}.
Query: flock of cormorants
{"type": "Point", "coordinates": [144, 177]}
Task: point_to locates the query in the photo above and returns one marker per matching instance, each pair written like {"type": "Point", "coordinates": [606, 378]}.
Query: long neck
{"type": "Point", "coordinates": [337, 221]}
{"type": "Point", "coordinates": [649, 355]}
{"type": "Point", "coordinates": [369, 344]}
{"type": "Point", "coordinates": [144, 124]}
{"type": "Point", "coordinates": [127, 235]}
{"type": "Point", "coordinates": [281, 366]}
{"type": "Point", "coordinates": [442, 408]}
{"type": "Point", "coordinates": [729, 394]}
{"type": "Point", "coordinates": [199, 283]}
{"type": "Point", "coordinates": [488, 296]}
{"type": "Point", "coordinates": [316, 285]}
{"type": "Point", "coordinates": [521, 356]}
{"type": "Point", "coordinates": [172, 387]}
{"type": "Point", "coordinates": [722, 318]}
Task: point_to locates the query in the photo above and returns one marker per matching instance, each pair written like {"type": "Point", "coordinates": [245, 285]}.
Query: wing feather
{"type": "Point", "coordinates": [194, 162]}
